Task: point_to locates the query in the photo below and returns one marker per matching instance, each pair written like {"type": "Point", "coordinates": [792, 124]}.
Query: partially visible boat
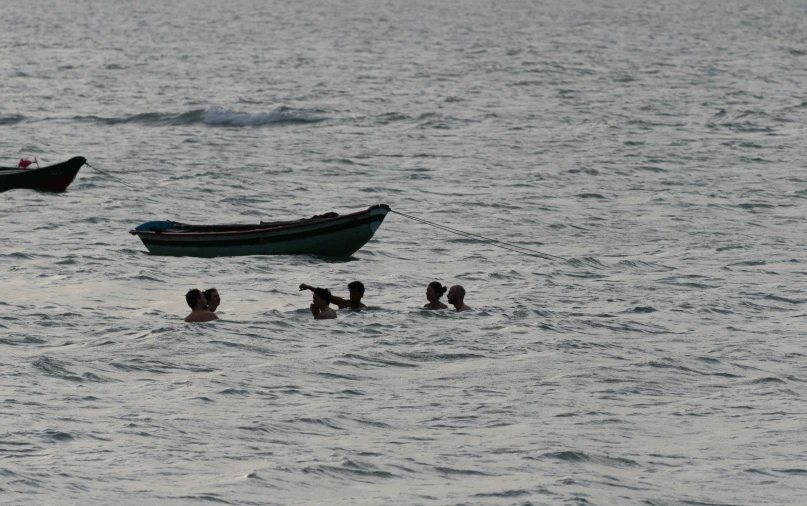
{"type": "Point", "coordinates": [53, 178]}
{"type": "Point", "coordinates": [328, 235]}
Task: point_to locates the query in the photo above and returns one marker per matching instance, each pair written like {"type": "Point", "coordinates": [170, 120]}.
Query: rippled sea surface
{"type": "Point", "coordinates": [657, 148]}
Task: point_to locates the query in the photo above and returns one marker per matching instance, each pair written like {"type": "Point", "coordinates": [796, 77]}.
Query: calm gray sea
{"type": "Point", "coordinates": [657, 147]}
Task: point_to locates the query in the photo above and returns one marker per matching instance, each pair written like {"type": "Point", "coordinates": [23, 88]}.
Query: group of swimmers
{"type": "Point", "coordinates": [204, 304]}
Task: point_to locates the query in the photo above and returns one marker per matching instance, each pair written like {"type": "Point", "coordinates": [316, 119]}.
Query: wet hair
{"type": "Point", "coordinates": [356, 286]}
{"type": "Point", "coordinates": [192, 296]}
{"type": "Point", "coordinates": [324, 294]}
{"type": "Point", "coordinates": [207, 293]}
{"type": "Point", "coordinates": [437, 287]}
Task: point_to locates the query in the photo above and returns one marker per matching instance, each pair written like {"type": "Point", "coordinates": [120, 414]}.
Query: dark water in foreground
{"type": "Point", "coordinates": [658, 149]}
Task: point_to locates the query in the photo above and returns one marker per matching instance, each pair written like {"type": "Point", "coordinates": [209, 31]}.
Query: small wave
{"type": "Point", "coordinates": [586, 262]}
{"type": "Point", "coordinates": [53, 367]}
{"type": "Point", "coordinates": [213, 116]}
{"type": "Point", "coordinates": [666, 364]}
{"type": "Point", "coordinates": [651, 168]}
{"type": "Point", "coordinates": [259, 428]}
{"type": "Point", "coordinates": [465, 472]}
{"type": "Point", "coordinates": [11, 119]}
{"type": "Point", "coordinates": [682, 282]}
{"type": "Point", "coordinates": [361, 361]}
{"type": "Point", "coordinates": [329, 375]}
{"type": "Point", "coordinates": [777, 298]}
{"type": "Point", "coordinates": [745, 127]}
{"type": "Point", "coordinates": [391, 117]}
{"type": "Point", "coordinates": [709, 360]}
{"type": "Point", "coordinates": [769, 379]}
{"type": "Point", "coordinates": [149, 118]}
{"type": "Point", "coordinates": [758, 471]}
{"type": "Point", "coordinates": [220, 116]}
{"type": "Point", "coordinates": [506, 494]}
{"type": "Point", "coordinates": [156, 366]}
{"type": "Point", "coordinates": [356, 470]}
{"type": "Point", "coordinates": [585, 170]}
{"type": "Point", "coordinates": [580, 457]}
{"type": "Point", "coordinates": [246, 347]}
{"type": "Point", "coordinates": [371, 423]}
{"type": "Point", "coordinates": [145, 277]}
{"type": "Point", "coordinates": [749, 263]}
{"type": "Point", "coordinates": [352, 392]}
{"type": "Point", "coordinates": [638, 264]}
{"type": "Point", "coordinates": [58, 435]}
{"type": "Point", "coordinates": [343, 161]}
{"type": "Point", "coordinates": [95, 378]}
{"type": "Point", "coordinates": [19, 254]}
{"type": "Point", "coordinates": [204, 497]}
{"type": "Point", "coordinates": [439, 357]}
{"type": "Point", "coordinates": [624, 327]}
{"type": "Point", "coordinates": [752, 205]}
{"type": "Point", "coordinates": [234, 391]}
{"type": "Point", "coordinates": [326, 422]}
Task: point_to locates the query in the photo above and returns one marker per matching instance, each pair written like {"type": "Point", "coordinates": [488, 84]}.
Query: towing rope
{"type": "Point", "coordinates": [110, 176]}
{"type": "Point", "coordinates": [476, 237]}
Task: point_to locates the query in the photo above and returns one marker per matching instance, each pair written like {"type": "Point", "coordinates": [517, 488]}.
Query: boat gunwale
{"type": "Point", "coordinates": [42, 178]}
{"type": "Point", "coordinates": [10, 171]}
{"type": "Point", "coordinates": [289, 226]}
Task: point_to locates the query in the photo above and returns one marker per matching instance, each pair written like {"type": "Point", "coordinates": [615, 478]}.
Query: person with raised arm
{"type": "Point", "coordinates": [356, 289]}
{"type": "Point", "coordinates": [198, 304]}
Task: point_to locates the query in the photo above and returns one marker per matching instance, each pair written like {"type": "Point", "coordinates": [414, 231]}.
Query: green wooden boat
{"type": "Point", "coordinates": [330, 235]}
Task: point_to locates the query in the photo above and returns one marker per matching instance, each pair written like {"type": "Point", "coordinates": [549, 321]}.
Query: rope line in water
{"type": "Point", "coordinates": [110, 176]}
{"type": "Point", "coordinates": [476, 237]}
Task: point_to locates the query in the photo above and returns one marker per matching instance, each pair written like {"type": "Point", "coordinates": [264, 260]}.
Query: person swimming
{"type": "Point", "coordinates": [213, 299]}
{"type": "Point", "coordinates": [320, 305]}
{"type": "Point", "coordinates": [356, 289]}
{"type": "Point", "coordinates": [456, 297]}
{"type": "Point", "coordinates": [198, 304]}
{"type": "Point", "coordinates": [433, 293]}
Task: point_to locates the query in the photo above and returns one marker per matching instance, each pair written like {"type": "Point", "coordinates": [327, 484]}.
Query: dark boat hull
{"type": "Point", "coordinates": [53, 178]}
{"type": "Point", "coordinates": [338, 236]}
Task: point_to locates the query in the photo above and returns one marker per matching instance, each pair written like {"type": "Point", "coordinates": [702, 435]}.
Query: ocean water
{"type": "Point", "coordinates": [656, 148]}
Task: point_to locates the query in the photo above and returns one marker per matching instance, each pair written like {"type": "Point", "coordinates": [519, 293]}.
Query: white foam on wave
{"type": "Point", "coordinates": [220, 116]}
